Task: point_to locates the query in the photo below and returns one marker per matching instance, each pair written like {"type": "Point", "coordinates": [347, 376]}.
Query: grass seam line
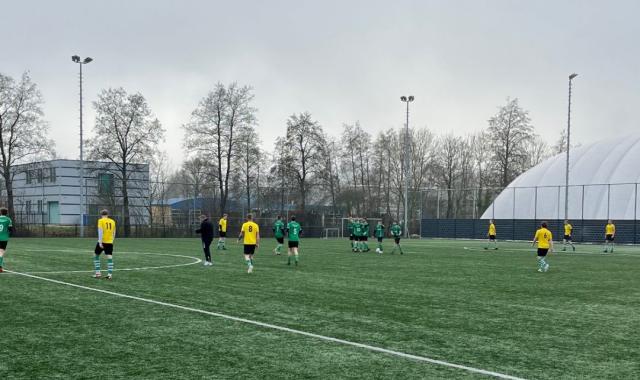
{"type": "Point", "coordinates": [280, 328]}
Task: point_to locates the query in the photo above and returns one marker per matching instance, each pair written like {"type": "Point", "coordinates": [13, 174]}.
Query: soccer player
{"type": "Point", "coordinates": [106, 236]}
{"type": "Point", "coordinates": [357, 233]}
{"type": "Point", "coordinates": [568, 231]}
{"type": "Point", "coordinates": [492, 235]}
{"type": "Point", "coordinates": [206, 235]}
{"type": "Point", "coordinates": [6, 226]}
{"type": "Point", "coordinates": [351, 235]}
{"type": "Point", "coordinates": [396, 232]}
{"type": "Point", "coordinates": [293, 236]}
{"type": "Point", "coordinates": [251, 233]}
{"type": "Point", "coordinates": [609, 236]}
{"type": "Point", "coordinates": [278, 232]}
{"type": "Point", "coordinates": [379, 234]}
{"type": "Point", "coordinates": [544, 238]}
{"type": "Point", "coordinates": [222, 232]}
{"type": "Point", "coordinates": [365, 235]}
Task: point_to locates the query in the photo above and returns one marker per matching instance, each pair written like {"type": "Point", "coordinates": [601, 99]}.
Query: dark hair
{"type": "Point", "coordinates": [4, 211]}
{"type": "Point", "coordinates": [279, 216]}
{"type": "Point", "coordinates": [249, 216]}
{"type": "Point", "coordinates": [104, 212]}
{"type": "Point", "coordinates": [293, 217]}
{"type": "Point", "coordinates": [544, 224]}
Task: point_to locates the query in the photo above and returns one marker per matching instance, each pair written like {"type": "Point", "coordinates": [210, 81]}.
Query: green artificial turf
{"type": "Point", "coordinates": [442, 299]}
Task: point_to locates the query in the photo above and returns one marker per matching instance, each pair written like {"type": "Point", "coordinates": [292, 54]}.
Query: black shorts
{"type": "Point", "coordinates": [542, 251]}
{"type": "Point", "coordinates": [609, 237]}
{"type": "Point", "coordinates": [567, 237]}
{"type": "Point", "coordinates": [379, 240]}
{"type": "Point", "coordinates": [107, 249]}
{"type": "Point", "coordinates": [365, 238]}
{"type": "Point", "coordinates": [492, 237]}
{"type": "Point", "coordinates": [3, 244]}
{"type": "Point", "coordinates": [351, 237]}
{"type": "Point", "coordinates": [280, 240]}
{"type": "Point", "coordinates": [222, 233]}
{"type": "Point", "coordinates": [249, 249]}
{"type": "Point", "coordinates": [294, 244]}
{"type": "Point", "coordinates": [397, 240]}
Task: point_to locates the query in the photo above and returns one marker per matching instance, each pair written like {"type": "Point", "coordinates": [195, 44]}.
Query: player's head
{"type": "Point", "coordinates": [293, 217]}
{"type": "Point", "coordinates": [224, 216]}
{"type": "Point", "coordinates": [490, 221]}
{"type": "Point", "coordinates": [379, 221]}
{"type": "Point", "coordinates": [4, 211]}
{"type": "Point", "coordinates": [203, 216]}
{"type": "Point", "coordinates": [610, 221]}
{"type": "Point", "coordinates": [249, 216]}
{"type": "Point", "coordinates": [279, 217]}
{"type": "Point", "coordinates": [543, 224]}
{"type": "Point", "coordinates": [104, 213]}
{"type": "Point", "coordinates": [566, 221]}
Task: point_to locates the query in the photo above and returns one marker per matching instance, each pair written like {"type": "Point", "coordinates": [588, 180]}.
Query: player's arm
{"type": "Point", "coordinates": [258, 238]}
{"type": "Point", "coordinates": [100, 234]}
{"type": "Point", "coordinates": [240, 235]}
{"type": "Point", "coordinates": [551, 244]}
{"type": "Point", "coordinates": [535, 238]}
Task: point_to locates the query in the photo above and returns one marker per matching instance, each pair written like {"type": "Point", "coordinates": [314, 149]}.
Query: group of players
{"type": "Point", "coordinates": [544, 240]}
{"type": "Point", "coordinates": [359, 235]}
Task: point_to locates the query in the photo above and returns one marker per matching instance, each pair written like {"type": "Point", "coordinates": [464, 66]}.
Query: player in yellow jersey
{"type": "Point", "coordinates": [251, 233]}
{"type": "Point", "coordinates": [222, 232]}
{"type": "Point", "coordinates": [106, 236]}
{"type": "Point", "coordinates": [491, 234]}
{"type": "Point", "coordinates": [544, 238]}
{"type": "Point", "coordinates": [609, 236]}
{"type": "Point", "coordinates": [568, 231]}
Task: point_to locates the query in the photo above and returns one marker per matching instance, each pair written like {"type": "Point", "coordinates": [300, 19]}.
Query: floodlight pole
{"type": "Point", "coordinates": [80, 62]}
{"type": "Point", "coordinates": [566, 177]}
{"type": "Point", "coordinates": [407, 100]}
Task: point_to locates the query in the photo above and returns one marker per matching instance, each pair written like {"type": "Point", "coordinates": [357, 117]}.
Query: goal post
{"type": "Point", "coordinates": [331, 233]}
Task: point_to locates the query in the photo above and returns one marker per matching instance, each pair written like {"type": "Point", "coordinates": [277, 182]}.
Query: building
{"type": "Point", "coordinates": [48, 192]}
{"type": "Point", "coordinates": [603, 184]}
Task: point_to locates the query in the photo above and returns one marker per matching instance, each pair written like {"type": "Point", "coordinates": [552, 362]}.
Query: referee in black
{"type": "Point", "coordinates": [206, 234]}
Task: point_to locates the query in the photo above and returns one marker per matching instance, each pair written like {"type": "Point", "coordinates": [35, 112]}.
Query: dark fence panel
{"type": "Point", "coordinates": [591, 231]}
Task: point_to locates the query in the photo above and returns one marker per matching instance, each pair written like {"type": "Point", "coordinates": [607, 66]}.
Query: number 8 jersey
{"type": "Point", "coordinates": [250, 230]}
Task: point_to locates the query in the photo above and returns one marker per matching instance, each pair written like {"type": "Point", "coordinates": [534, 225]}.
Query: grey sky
{"type": "Point", "coordinates": [340, 60]}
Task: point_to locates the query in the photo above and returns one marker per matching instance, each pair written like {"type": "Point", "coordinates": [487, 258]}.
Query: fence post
{"type": "Point", "coordinates": [635, 214]}
{"type": "Point", "coordinates": [438, 205]}
{"type": "Point", "coordinates": [608, 200]}
{"type": "Point", "coordinates": [535, 205]}
{"type": "Point", "coordinates": [582, 213]}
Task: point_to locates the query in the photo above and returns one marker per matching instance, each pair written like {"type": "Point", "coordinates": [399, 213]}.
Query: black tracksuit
{"type": "Point", "coordinates": [206, 234]}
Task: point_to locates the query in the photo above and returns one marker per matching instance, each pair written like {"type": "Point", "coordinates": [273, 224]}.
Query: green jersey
{"type": "Point", "coordinates": [396, 230]}
{"type": "Point", "coordinates": [350, 227]}
{"type": "Point", "coordinates": [278, 229]}
{"type": "Point", "coordinates": [5, 225]}
{"type": "Point", "coordinates": [365, 229]}
{"type": "Point", "coordinates": [294, 229]}
{"type": "Point", "coordinates": [357, 229]}
{"type": "Point", "coordinates": [379, 232]}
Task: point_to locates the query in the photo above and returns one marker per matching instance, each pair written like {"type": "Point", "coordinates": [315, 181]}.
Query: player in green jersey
{"type": "Point", "coordinates": [293, 236]}
{"type": "Point", "coordinates": [278, 233]}
{"type": "Point", "coordinates": [379, 234]}
{"type": "Point", "coordinates": [365, 235]}
{"type": "Point", "coordinates": [352, 238]}
{"type": "Point", "coordinates": [357, 235]}
{"type": "Point", "coordinates": [396, 232]}
{"type": "Point", "coordinates": [6, 226]}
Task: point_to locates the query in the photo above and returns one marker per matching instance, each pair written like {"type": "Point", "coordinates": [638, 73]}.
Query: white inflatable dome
{"type": "Point", "coordinates": [602, 185]}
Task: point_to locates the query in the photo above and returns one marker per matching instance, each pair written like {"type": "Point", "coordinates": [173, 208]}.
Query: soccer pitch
{"type": "Point", "coordinates": [444, 309]}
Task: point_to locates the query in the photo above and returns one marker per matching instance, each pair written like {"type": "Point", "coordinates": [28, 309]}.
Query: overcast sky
{"type": "Point", "coordinates": [342, 61]}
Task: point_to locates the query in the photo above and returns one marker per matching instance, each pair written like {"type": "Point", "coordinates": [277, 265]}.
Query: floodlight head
{"type": "Point", "coordinates": [572, 76]}
{"type": "Point", "coordinates": [411, 98]}
{"type": "Point", "coordinates": [403, 98]}
{"type": "Point", "coordinates": [87, 60]}
{"type": "Point", "coordinates": [75, 58]}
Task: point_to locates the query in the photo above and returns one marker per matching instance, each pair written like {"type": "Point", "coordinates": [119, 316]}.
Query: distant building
{"type": "Point", "coordinates": [48, 192]}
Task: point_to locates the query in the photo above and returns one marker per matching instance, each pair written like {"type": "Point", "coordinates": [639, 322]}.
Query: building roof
{"type": "Point", "coordinates": [601, 184]}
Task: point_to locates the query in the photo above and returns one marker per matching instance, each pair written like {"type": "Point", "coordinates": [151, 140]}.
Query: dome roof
{"type": "Point", "coordinates": [602, 185]}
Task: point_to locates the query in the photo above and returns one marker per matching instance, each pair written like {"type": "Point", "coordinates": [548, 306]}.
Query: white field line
{"type": "Point", "coordinates": [281, 328]}
{"type": "Point", "coordinates": [560, 253]}
{"type": "Point", "coordinates": [195, 261]}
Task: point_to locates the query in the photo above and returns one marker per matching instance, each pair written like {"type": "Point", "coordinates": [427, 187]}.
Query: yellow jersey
{"type": "Point", "coordinates": [568, 228]}
{"type": "Point", "coordinates": [492, 229]}
{"type": "Point", "coordinates": [544, 238]}
{"type": "Point", "coordinates": [222, 225]}
{"type": "Point", "coordinates": [610, 229]}
{"type": "Point", "coordinates": [250, 230]}
{"type": "Point", "coordinates": [108, 228]}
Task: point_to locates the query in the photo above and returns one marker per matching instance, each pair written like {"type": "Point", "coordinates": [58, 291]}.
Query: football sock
{"type": "Point", "coordinates": [289, 260]}
{"type": "Point", "coordinates": [366, 246]}
{"type": "Point", "coordinates": [248, 261]}
{"type": "Point", "coordinates": [109, 266]}
{"type": "Point", "coordinates": [296, 258]}
{"type": "Point", "coordinates": [96, 263]}
{"type": "Point", "coordinates": [1, 261]}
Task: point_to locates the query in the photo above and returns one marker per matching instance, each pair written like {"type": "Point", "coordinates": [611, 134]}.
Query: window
{"type": "Point", "coordinates": [39, 206]}
{"type": "Point", "coordinates": [28, 207]}
{"type": "Point", "coordinates": [52, 175]}
{"type": "Point", "coordinates": [29, 177]}
{"type": "Point", "coordinates": [105, 183]}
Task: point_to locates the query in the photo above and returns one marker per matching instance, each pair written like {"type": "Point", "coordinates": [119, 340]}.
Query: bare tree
{"type": "Point", "coordinates": [23, 133]}
{"type": "Point", "coordinates": [537, 151]}
{"type": "Point", "coordinates": [126, 133]}
{"type": "Point", "coordinates": [304, 147]}
{"type": "Point", "coordinates": [159, 170]}
{"type": "Point", "coordinates": [510, 131]}
{"type": "Point", "coordinates": [249, 156]}
{"type": "Point", "coordinates": [214, 126]}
